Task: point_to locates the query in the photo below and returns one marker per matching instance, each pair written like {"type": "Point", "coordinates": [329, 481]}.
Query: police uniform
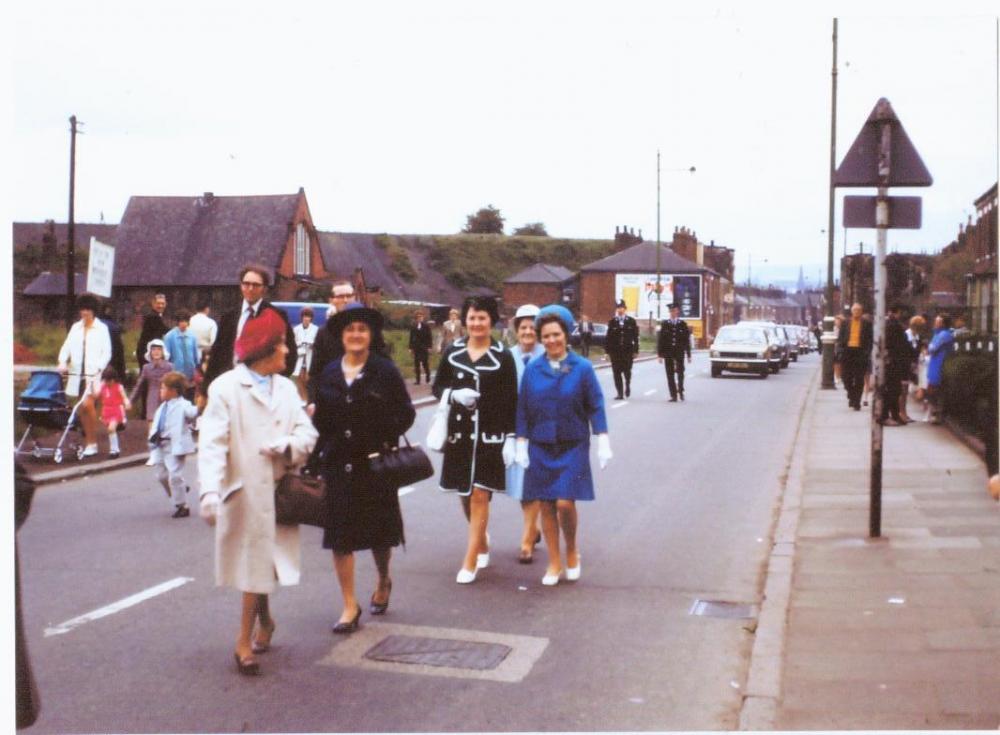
{"type": "Point", "coordinates": [672, 345]}
{"type": "Point", "coordinates": [622, 344]}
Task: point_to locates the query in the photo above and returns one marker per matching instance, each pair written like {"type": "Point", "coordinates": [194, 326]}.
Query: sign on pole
{"type": "Point", "coordinates": [100, 268]}
{"type": "Point", "coordinates": [881, 156]}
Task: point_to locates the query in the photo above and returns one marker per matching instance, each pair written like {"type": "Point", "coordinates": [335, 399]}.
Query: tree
{"type": "Point", "coordinates": [532, 228]}
{"type": "Point", "coordinates": [486, 221]}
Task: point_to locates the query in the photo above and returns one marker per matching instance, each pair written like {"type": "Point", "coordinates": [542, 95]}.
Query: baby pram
{"type": "Point", "coordinates": [43, 404]}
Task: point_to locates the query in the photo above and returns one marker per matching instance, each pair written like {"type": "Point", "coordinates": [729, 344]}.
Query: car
{"type": "Point", "coordinates": [597, 339]}
{"type": "Point", "coordinates": [779, 356]}
{"type": "Point", "coordinates": [743, 348]}
{"type": "Point", "coordinates": [293, 310]}
{"type": "Point", "coordinates": [788, 331]}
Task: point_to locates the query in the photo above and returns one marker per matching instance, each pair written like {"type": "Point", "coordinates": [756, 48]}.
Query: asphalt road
{"type": "Point", "coordinates": [684, 512]}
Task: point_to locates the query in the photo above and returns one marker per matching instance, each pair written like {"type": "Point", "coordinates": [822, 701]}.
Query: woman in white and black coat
{"type": "Point", "coordinates": [480, 377]}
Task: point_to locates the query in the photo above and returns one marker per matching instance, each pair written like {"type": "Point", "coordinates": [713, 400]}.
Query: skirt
{"type": "Point", "coordinates": [363, 515]}
{"type": "Point", "coordinates": [559, 472]}
{"type": "Point", "coordinates": [465, 466]}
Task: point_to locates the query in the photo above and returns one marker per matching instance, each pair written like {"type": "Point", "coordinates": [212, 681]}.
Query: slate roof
{"type": "Point", "coordinates": [54, 284]}
{"type": "Point", "coordinates": [200, 241]}
{"type": "Point", "coordinates": [345, 251]}
{"type": "Point", "coordinates": [542, 273]}
{"type": "Point", "coordinates": [641, 258]}
{"type": "Point", "coordinates": [26, 233]}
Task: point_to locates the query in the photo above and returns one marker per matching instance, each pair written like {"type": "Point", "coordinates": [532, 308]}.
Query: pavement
{"type": "Point", "coordinates": [896, 632]}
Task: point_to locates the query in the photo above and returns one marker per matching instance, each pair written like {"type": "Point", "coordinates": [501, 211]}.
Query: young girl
{"type": "Point", "coordinates": [114, 404]}
{"type": "Point", "coordinates": [157, 365]}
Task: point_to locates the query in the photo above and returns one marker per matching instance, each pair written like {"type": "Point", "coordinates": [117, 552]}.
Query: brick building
{"type": "Point", "coordinates": [540, 284]}
{"type": "Point", "coordinates": [981, 293]}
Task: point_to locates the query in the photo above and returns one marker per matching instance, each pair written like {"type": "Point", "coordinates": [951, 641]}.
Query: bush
{"type": "Point", "coordinates": [969, 390]}
{"type": "Point", "coordinates": [24, 355]}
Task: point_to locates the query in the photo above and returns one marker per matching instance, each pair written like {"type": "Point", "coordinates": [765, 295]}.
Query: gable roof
{"type": "Point", "coordinates": [54, 284]}
{"type": "Point", "coordinates": [541, 273]}
{"type": "Point", "coordinates": [26, 233]}
{"type": "Point", "coordinates": [200, 241]}
{"type": "Point", "coordinates": [641, 258]}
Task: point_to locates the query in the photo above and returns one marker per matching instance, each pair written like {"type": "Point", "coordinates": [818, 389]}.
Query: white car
{"type": "Point", "coordinates": [742, 348]}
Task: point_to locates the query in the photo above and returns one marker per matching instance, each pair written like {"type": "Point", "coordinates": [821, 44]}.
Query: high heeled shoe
{"type": "Point", "coordinates": [263, 646]}
{"type": "Point", "coordinates": [551, 580]}
{"type": "Point", "coordinates": [379, 608]}
{"type": "Point", "coordinates": [246, 666]}
{"type": "Point", "coordinates": [350, 626]}
{"type": "Point", "coordinates": [465, 576]}
{"type": "Point", "coordinates": [573, 573]}
{"type": "Point", "coordinates": [483, 560]}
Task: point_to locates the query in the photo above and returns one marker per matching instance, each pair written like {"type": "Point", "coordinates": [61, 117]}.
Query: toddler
{"type": "Point", "coordinates": [171, 440]}
{"type": "Point", "coordinates": [114, 404]}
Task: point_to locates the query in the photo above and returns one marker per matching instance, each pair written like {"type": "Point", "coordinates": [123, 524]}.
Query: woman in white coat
{"type": "Point", "coordinates": [84, 354]}
{"type": "Point", "coordinates": [253, 430]}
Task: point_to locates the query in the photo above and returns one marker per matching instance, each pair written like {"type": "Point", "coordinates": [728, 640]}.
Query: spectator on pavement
{"type": "Point", "coordinates": [84, 354]}
{"type": "Point", "coordinates": [559, 404]}
{"type": "Point", "coordinates": [480, 379]}
{"type": "Point", "coordinates": [898, 356]}
{"type": "Point", "coordinates": [252, 432]}
{"type": "Point", "coordinates": [148, 386]}
{"type": "Point", "coordinates": [855, 342]}
{"type": "Point", "coordinates": [153, 327]}
{"type": "Point", "coordinates": [183, 348]}
{"type": "Point", "coordinates": [117, 346]}
{"type": "Point", "coordinates": [114, 405]}
{"type": "Point", "coordinates": [204, 327]}
{"type": "Point", "coordinates": [586, 334]}
{"type": "Point", "coordinates": [451, 330]}
{"type": "Point", "coordinates": [914, 337]}
{"type": "Point", "coordinates": [420, 346]}
{"type": "Point", "coordinates": [941, 345]}
{"type": "Point", "coordinates": [171, 440]}
{"type": "Point", "coordinates": [361, 407]}
{"type": "Point", "coordinates": [838, 352]}
{"type": "Point", "coordinates": [305, 338]}
{"type": "Point", "coordinates": [527, 348]}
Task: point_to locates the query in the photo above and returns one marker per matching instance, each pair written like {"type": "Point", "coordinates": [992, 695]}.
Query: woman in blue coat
{"type": "Point", "coordinates": [941, 345]}
{"type": "Point", "coordinates": [559, 404]}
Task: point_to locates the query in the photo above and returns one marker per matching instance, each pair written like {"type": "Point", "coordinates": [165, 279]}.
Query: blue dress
{"type": "Point", "coordinates": [515, 473]}
{"type": "Point", "coordinates": [556, 410]}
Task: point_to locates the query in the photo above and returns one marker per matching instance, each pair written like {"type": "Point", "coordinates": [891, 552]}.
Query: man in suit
{"type": "Point", "coordinates": [420, 345]}
{"type": "Point", "coordinates": [153, 327]}
{"type": "Point", "coordinates": [671, 346]}
{"type": "Point", "coordinates": [898, 357]}
{"type": "Point", "coordinates": [326, 348]}
{"type": "Point", "coordinates": [254, 282]}
{"type": "Point", "coordinates": [622, 344]}
{"type": "Point", "coordinates": [855, 341]}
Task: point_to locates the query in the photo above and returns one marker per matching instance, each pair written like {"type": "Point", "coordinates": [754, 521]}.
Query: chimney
{"type": "Point", "coordinates": [206, 199]}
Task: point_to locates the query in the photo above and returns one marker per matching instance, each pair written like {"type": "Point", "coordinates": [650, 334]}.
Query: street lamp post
{"type": "Point", "coordinates": [690, 169]}
{"type": "Point", "coordinates": [828, 323]}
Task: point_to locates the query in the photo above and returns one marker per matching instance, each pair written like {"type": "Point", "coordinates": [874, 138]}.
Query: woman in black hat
{"type": "Point", "coordinates": [480, 378]}
{"type": "Point", "coordinates": [361, 407]}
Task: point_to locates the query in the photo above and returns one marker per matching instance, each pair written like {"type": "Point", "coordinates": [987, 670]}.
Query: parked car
{"type": "Point", "coordinates": [788, 331]}
{"type": "Point", "coordinates": [597, 339]}
{"type": "Point", "coordinates": [780, 354]}
{"type": "Point", "coordinates": [293, 309]}
{"type": "Point", "coordinates": [743, 348]}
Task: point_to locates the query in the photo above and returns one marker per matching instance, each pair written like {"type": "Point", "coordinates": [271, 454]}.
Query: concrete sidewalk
{"type": "Point", "coordinates": [899, 632]}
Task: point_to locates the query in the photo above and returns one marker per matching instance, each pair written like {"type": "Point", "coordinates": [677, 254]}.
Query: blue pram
{"type": "Point", "coordinates": [43, 404]}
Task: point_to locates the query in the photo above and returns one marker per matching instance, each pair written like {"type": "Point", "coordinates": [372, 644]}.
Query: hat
{"type": "Point", "coordinates": [260, 335]}
{"type": "Point", "coordinates": [621, 304]}
{"type": "Point", "coordinates": [355, 312]}
{"type": "Point", "coordinates": [673, 305]}
{"type": "Point", "coordinates": [564, 314]}
{"type": "Point", "coordinates": [156, 343]}
{"type": "Point", "coordinates": [525, 311]}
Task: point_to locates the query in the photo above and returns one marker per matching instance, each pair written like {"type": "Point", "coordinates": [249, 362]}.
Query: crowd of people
{"type": "Point", "coordinates": [914, 361]}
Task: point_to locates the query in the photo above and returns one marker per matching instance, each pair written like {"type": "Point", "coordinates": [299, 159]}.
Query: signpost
{"type": "Point", "coordinates": [881, 156]}
{"type": "Point", "coordinates": [100, 268]}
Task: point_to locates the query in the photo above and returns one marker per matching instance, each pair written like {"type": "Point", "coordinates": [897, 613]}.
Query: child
{"type": "Point", "coordinates": [183, 346]}
{"type": "Point", "coordinates": [114, 404]}
{"type": "Point", "coordinates": [170, 439]}
{"type": "Point", "coordinates": [157, 365]}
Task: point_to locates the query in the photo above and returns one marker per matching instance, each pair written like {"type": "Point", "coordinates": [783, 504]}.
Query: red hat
{"type": "Point", "coordinates": [260, 335]}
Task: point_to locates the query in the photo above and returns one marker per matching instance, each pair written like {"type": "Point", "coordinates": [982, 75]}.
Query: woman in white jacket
{"type": "Point", "coordinates": [84, 354]}
{"type": "Point", "coordinates": [253, 430]}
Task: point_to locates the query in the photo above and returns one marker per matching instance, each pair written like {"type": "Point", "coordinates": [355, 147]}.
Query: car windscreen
{"type": "Point", "coordinates": [741, 335]}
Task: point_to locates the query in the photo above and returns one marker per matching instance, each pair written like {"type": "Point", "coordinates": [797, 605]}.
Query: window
{"type": "Point", "coordinates": [301, 250]}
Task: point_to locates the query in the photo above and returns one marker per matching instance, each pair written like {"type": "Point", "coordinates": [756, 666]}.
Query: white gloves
{"type": "Point", "coordinates": [508, 451]}
{"type": "Point", "coordinates": [209, 507]}
{"type": "Point", "coordinates": [604, 453]}
{"type": "Point", "coordinates": [276, 448]}
{"type": "Point", "coordinates": [465, 396]}
{"type": "Point", "coordinates": [521, 453]}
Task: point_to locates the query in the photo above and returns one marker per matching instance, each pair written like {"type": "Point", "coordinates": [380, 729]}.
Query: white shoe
{"type": "Point", "coordinates": [465, 576]}
{"type": "Point", "coordinates": [90, 450]}
{"type": "Point", "coordinates": [551, 580]}
{"type": "Point", "coordinates": [482, 560]}
{"type": "Point", "coordinates": [573, 573]}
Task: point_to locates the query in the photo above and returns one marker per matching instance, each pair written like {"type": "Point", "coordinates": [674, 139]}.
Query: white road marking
{"type": "Point", "coordinates": [650, 392]}
{"type": "Point", "coordinates": [619, 404]}
{"type": "Point", "coordinates": [406, 490]}
{"type": "Point", "coordinates": [117, 606]}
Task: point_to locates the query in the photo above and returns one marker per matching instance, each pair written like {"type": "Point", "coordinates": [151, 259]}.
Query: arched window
{"type": "Point", "coordinates": [301, 250]}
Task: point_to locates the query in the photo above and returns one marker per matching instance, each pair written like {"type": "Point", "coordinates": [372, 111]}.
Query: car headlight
{"type": "Point", "coordinates": [713, 353]}
{"type": "Point", "coordinates": [760, 355]}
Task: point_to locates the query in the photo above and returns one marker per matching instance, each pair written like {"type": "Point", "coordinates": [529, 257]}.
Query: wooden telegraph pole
{"type": "Point", "coordinates": [70, 234]}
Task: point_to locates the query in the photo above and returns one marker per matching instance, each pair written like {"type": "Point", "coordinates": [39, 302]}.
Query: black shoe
{"type": "Point", "coordinates": [181, 512]}
{"type": "Point", "coordinates": [247, 666]}
{"type": "Point", "coordinates": [351, 626]}
{"type": "Point", "coordinates": [673, 399]}
{"type": "Point", "coordinates": [619, 398]}
{"type": "Point", "coordinates": [682, 395]}
{"type": "Point", "coordinates": [628, 392]}
{"type": "Point", "coordinates": [379, 608]}
{"type": "Point", "coordinates": [114, 455]}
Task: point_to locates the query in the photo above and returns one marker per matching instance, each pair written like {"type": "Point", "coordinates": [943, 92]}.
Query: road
{"type": "Point", "coordinates": [684, 512]}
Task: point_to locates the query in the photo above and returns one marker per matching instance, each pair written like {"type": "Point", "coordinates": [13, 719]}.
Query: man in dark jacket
{"type": "Point", "coordinates": [898, 357]}
{"type": "Point", "coordinates": [671, 346]}
{"type": "Point", "coordinates": [327, 347]}
{"type": "Point", "coordinates": [153, 327]}
{"type": "Point", "coordinates": [117, 346]}
{"type": "Point", "coordinates": [254, 282]}
{"type": "Point", "coordinates": [420, 345]}
{"type": "Point", "coordinates": [855, 342]}
{"type": "Point", "coordinates": [622, 345]}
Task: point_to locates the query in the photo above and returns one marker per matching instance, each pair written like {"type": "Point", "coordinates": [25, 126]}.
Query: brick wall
{"type": "Point", "coordinates": [539, 294]}
{"type": "Point", "coordinates": [597, 295]}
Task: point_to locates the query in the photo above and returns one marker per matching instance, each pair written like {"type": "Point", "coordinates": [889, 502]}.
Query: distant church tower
{"type": "Point", "coordinates": [802, 281]}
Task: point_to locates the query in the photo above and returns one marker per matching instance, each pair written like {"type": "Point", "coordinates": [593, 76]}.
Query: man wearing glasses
{"type": "Point", "coordinates": [326, 348]}
{"type": "Point", "coordinates": [254, 282]}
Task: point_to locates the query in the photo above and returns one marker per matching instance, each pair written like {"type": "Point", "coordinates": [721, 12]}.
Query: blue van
{"type": "Point", "coordinates": [293, 309]}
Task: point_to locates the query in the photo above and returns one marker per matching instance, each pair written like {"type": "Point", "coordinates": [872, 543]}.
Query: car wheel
{"type": "Point", "coordinates": [716, 371]}
{"type": "Point", "coordinates": [795, 358]}
{"type": "Point", "coordinates": [774, 368]}
{"type": "Point", "coordinates": [764, 373]}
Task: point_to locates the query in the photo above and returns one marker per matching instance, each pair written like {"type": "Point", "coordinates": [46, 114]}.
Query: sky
{"type": "Point", "coordinates": [406, 117]}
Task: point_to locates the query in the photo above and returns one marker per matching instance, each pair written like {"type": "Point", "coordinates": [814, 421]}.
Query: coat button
{"type": "Point", "coordinates": [348, 399]}
{"type": "Point", "coordinates": [348, 468]}
{"type": "Point", "coordinates": [460, 375]}
{"type": "Point", "coordinates": [458, 417]}
{"type": "Point", "coordinates": [347, 433]}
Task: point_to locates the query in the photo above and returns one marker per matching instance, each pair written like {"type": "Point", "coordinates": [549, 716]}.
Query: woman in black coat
{"type": "Point", "coordinates": [362, 406]}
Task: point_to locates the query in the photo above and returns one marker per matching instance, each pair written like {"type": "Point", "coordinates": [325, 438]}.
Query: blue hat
{"type": "Point", "coordinates": [560, 311]}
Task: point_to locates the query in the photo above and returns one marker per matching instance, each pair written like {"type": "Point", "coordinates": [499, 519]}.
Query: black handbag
{"type": "Point", "coordinates": [399, 466]}
{"type": "Point", "coordinates": [301, 498]}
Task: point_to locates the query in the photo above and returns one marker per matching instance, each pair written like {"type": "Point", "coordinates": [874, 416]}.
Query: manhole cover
{"type": "Point", "coordinates": [405, 649]}
{"type": "Point", "coordinates": [722, 609]}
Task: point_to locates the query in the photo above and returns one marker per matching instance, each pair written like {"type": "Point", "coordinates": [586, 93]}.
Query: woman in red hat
{"type": "Point", "coordinates": [254, 429]}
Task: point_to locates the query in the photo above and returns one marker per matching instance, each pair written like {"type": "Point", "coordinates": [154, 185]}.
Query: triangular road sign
{"type": "Point", "coordinates": [860, 165]}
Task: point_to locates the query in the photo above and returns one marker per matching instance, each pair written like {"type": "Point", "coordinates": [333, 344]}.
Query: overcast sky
{"type": "Point", "coordinates": [406, 117]}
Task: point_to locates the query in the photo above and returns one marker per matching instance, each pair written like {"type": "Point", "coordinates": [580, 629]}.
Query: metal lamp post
{"type": "Point", "coordinates": [690, 169]}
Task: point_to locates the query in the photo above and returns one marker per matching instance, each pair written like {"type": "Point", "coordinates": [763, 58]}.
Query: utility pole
{"type": "Point", "coordinates": [70, 234]}
{"type": "Point", "coordinates": [657, 235]}
{"type": "Point", "coordinates": [828, 323]}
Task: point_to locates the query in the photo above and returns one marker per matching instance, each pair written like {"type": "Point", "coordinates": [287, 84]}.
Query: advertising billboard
{"type": "Point", "coordinates": [638, 290]}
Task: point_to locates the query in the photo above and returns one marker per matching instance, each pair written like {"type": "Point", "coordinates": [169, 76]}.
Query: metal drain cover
{"type": "Point", "coordinates": [405, 649]}
{"type": "Point", "coordinates": [723, 609]}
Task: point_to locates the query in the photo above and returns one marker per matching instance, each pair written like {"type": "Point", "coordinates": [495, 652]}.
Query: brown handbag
{"type": "Point", "coordinates": [301, 498]}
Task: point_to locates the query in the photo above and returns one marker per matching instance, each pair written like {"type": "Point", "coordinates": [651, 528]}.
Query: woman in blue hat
{"type": "Point", "coordinates": [560, 403]}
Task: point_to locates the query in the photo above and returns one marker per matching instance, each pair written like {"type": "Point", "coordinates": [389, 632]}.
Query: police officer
{"type": "Point", "coordinates": [622, 344]}
{"type": "Point", "coordinates": [671, 346]}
